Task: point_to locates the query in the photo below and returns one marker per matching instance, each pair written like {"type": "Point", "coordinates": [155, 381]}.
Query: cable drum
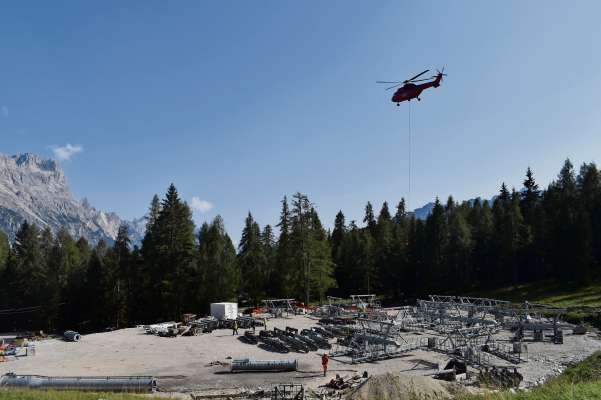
{"type": "Point", "coordinates": [72, 336]}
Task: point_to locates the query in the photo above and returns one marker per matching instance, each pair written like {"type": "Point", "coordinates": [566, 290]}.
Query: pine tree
{"type": "Point", "coordinates": [385, 272]}
{"type": "Point", "coordinates": [336, 239]}
{"type": "Point", "coordinates": [283, 277]}
{"type": "Point", "coordinates": [31, 286]}
{"type": "Point", "coordinates": [122, 278]}
{"type": "Point", "coordinates": [98, 288]}
{"type": "Point", "coordinates": [589, 187]}
{"type": "Point", "coordinates": [217, 264]}
{"type": "Point", "coordinates": [401, 213]}
{"type": "Point", "coordinates": [337, 234]}
{"type": "Point", "coordinates": [153, 213]}
{"type": "Point", "coordinates": [459, 249]}
{"type": "Point", "coordinates": [534, 219]}
{"type": "Point", "coordinates": [418, 277]}
{"type": "Point", "coordinates": [400, 272]}
{"type": "Point", "coordinates": [436, 236]}
{"type": "Point", "coordinates": [252, 262]}
{"type": "Point", "coordinates": [568, 238]}
{"type": "Point", "coordinates": [322, 267]}
{"type": "Point", "coordinates": [504, 194]}
{"type": "Point", "coordinates": [4, 278]}
{"type": "Point", "coordinates": [530, 197]}
{"type": "Point", "coordinates": [355, 262]}
{"type": "Point", "coordinates": [369, 220]}
{"type": "Point", "coordinates": [300, 238]}
{"type": "Point", "coordinates": [172, 248]}
{"type": "Point", "coordinates": [311, 254]}
{"type": "Point", "coordinates": [481, 222]}
{"type": "Point", "coordinates": [269, 245]}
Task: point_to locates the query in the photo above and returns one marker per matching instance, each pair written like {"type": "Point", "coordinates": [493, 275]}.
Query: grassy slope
{"type": "Point", "coordinates": [560, 294]}
{"type": "Point", "coordinates": [62, 395]}
{"type": "Point", "coordinates": [579, 382]}
{"type": "Point", "coordinates": [583, 302]}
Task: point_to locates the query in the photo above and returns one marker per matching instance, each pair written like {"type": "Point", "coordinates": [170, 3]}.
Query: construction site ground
{"type": "Point", "coordinates": [199, 363]}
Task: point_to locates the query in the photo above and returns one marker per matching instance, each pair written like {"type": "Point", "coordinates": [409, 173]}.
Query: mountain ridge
{"type": "Point", "coordinates": [34, 189]}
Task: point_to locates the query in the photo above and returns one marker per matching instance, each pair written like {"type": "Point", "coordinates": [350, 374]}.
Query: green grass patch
{"type": "Point", "coordinates": [583, 302]}
{"type": "Point", "coordinates": [560, 294]}
{"type": "Point", "coordinates": [581, 381]}
{"type": "Point", "coordinates": [19, 394]}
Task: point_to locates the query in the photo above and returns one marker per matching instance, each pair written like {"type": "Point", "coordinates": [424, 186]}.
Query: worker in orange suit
{"type": "Point", "coordinates": [324, 363]}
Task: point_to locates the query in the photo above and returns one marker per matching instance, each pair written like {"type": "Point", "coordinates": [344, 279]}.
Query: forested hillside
{"type": "Point", "coordinates": [53, 281]}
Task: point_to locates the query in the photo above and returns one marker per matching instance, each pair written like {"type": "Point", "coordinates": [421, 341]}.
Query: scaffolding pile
{"type": "Point", "coordinates": [460, 326]}
{"type": "Point", "coordinates": [280, 308]}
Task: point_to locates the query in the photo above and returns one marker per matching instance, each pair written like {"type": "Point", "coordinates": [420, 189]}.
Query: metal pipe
{"type": "Point", "coordinates": [92, 383]}
{"type": "Point", "coordinates": [72, 336]}
{"type": "Point", "coordinates": [249, 364]}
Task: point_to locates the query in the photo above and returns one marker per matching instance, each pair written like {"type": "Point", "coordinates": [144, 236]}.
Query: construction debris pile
{"type": "Point", "coordinates": [12, 349]}
{"type": "Point", "coordinates": [501, 377]}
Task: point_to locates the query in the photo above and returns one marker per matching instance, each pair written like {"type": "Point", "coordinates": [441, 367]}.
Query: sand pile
{"type": "Point", "coordinates": [402, 387]}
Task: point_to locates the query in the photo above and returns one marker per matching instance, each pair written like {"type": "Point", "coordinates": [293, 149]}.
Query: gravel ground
{"type": "Point", "coordinates": [181, 363]}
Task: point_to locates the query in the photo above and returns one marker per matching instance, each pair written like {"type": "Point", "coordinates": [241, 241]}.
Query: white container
{"type": "Point", "coordinates": [224, 310]}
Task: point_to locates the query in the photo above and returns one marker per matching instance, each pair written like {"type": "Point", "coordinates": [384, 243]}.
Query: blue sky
{"type": "Point", "coordinates": [239, 103]}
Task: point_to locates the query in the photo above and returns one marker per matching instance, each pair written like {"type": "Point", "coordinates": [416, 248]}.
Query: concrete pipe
{"type": "Point", "coordinates": [249, 365]}
{"type": "Point", "coordinates": [93, 383]}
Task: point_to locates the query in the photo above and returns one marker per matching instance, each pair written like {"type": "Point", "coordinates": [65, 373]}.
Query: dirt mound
{"type": "Point", "coordinates": [401, 387]}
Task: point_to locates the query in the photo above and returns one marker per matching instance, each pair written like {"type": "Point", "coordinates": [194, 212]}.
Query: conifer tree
{"type": "Point", "coordinates": [337, 234]}
{"type": "Point", "coordinates": [269, 246]}
{"type": "Point", "coordinates": [355, 270]}
{"type": "Point", "coordinates": [401, 212]}
{"type": "Point", "coordinates": [283, 272]}
{"type": "Point", "coordinates": [369, 219]}
{"type": "Point", "coordinates": [385, 272]}
{"type": "Point", "coordinates": [252, 262]}
{"type": "Point", "coordinates": [589, 187]}
{"type": "Point", "coordinates": [173, 253]}
{"type": "Point", "coordinates": [122, 278]}
{"type": "Point", "coordinates": [436, 236]}
{"type": "Point", "coordinates": [311, 254]}
{"type": "Point", "coordinates": [98, 288]}
{"type": "Point", "coordinates": [459, 249]}
{"type": "Point", "coordinates": [217, 264]}
{"type": "Point", "coordinates": [322, 267]}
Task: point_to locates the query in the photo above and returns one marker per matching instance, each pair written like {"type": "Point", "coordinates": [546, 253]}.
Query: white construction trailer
{"type": "Point", "coordinates": [224, 311]}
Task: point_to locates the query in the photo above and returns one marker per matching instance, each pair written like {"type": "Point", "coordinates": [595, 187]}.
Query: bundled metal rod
{"type": "Point", "coordinates": [92, 383]}
{"type": "Point", "coordinates": [249, 364]}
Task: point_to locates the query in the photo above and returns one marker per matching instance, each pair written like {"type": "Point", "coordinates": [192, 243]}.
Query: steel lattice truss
{"type": "Point", "coordinates": [467, 326]}
{"type": "Point", "coordinates": [279, 307]}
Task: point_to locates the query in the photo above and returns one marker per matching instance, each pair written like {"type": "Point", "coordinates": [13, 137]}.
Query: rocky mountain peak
{"type": "Point", "coordinates": [34, 189]}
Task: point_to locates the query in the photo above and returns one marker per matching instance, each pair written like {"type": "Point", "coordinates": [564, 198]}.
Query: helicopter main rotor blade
{"type": "Point", "coordinates": [421, 80]}
{"type": "Point", "coordinates": [417, 76]}
{"type": "Point", "coordinates": [392, 87]}
{"type": "Point", "coordinates": [389, 82]}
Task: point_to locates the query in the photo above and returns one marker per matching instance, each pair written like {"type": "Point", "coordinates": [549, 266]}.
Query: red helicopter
{"type": "Point", "coordinates": [410, 90]}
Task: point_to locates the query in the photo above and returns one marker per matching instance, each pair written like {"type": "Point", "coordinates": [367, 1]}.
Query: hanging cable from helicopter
{"type": "Point", "coordinates": [410, 90]}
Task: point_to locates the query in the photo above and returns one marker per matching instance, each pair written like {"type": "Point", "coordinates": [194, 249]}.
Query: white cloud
{"type": "Point", "coordinates": [64, 153]}
{"type": "Point", "coordinates": [202, 206]}
{"type": "Point", "coordinates": [4, 111]}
